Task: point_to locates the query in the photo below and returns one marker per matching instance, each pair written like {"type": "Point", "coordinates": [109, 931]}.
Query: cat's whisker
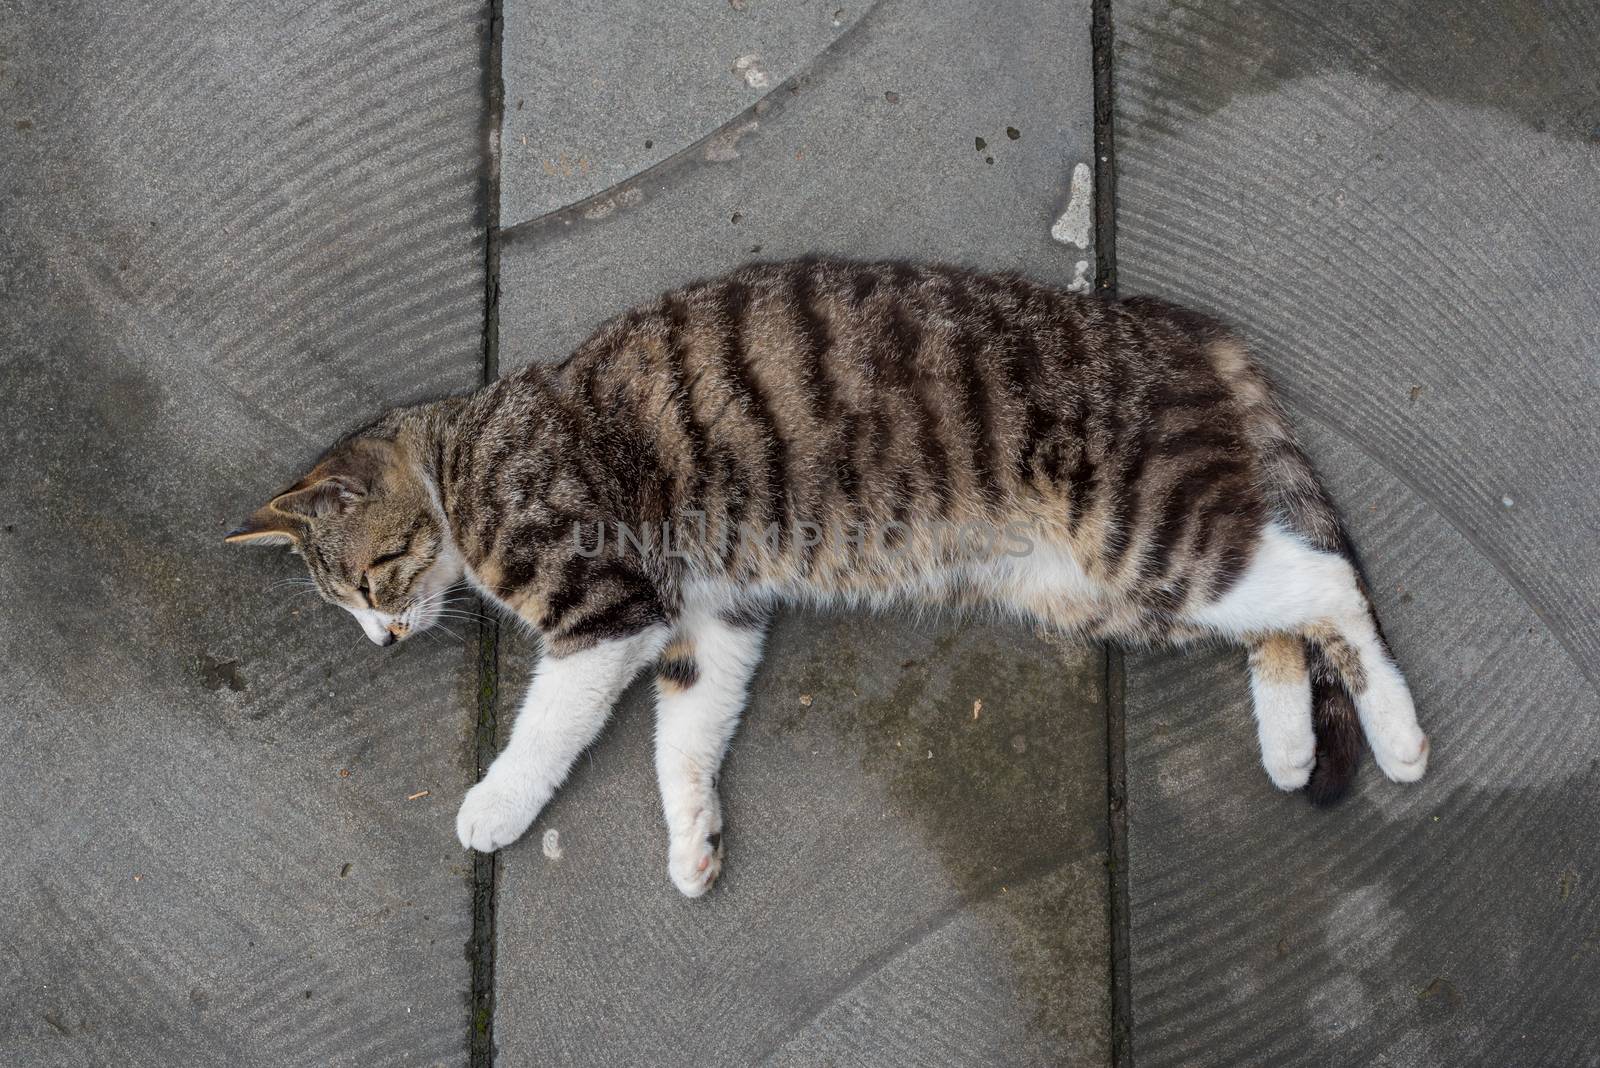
{"type": "Point", "coordinates": [467, 617]}
{"type": "Point", "coordinates": [455, 607]}
{"type": "Point", "coordinates": [460, 605]}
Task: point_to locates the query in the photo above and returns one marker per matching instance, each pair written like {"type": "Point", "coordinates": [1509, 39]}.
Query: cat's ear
{"type": "Point", "coordinates": [265, 527]}
{"type": "Point", "coordinates": [328, 495]}
{"type": "Point", "coordinates": [283, 520]}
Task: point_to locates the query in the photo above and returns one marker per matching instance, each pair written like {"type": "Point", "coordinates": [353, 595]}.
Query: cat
{"type": "Point", "coordinates": [835, 432]}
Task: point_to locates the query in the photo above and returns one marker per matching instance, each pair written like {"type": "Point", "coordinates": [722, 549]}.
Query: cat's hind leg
{"type": "Point", "coordinates": [1280, 692]}
{"type": "Point", "coordinates": [1290, 586]}
{"type": "Point", "coordinates": [702, 680]}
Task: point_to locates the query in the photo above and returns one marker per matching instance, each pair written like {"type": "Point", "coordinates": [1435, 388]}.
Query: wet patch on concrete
{"type": "Point", "coordinates": [192, 301]}
{"type": "Point", "coordinates": [1533, 62]}
{"type": "Point", "coordinates": [992, 742]}
{"type": "Point", "coordinates": [218, 674]}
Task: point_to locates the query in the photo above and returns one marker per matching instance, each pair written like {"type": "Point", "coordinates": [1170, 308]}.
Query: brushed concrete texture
{"type": "Point", "coordinates": [874, 155]}
{"type": "Point", "coordinates": [879, 905]}
{"type": "Point", "coordinates": [1398, 203]}
{"type": "Point", "coordinates": [230, 233]}
{"type": "Point", "coordinates": [597, 93]}
{"type": "Point", "coordinates": [904, 884]}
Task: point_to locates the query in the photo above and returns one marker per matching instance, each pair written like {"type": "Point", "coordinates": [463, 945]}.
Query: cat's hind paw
{"type": "Point", "coordinates": [1389, 719]}
{"type": "Point", "coordinates": [1289, 770]}
{"type": "Point", "coordinates": [493, 815]}
{"type": "Point", "coordinates": [1400, 754]}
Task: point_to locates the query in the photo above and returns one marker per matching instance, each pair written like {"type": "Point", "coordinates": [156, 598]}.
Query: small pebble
{"type": "Point", "coordinates": [552, 844]}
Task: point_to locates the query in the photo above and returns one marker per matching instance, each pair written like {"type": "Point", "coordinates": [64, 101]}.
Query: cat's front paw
{"type": "Point", "coordinates": [494, 814]}
{"type": "Point", "coordinates": [695, 863]}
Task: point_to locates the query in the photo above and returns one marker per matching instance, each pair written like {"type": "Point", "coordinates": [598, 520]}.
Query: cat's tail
{"type": "Point", "coordinates": [1297, 499]}
{"type": "Point", "coordinates": [1338, 731]}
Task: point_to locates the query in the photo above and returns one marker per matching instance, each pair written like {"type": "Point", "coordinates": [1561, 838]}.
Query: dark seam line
{"type": "Point", "coordinates": [486, 866]}
{"type": "Point", "coordinates": [1116, 689]}
{"type": "Point", "coordinates": [729, 141]}
{"type": "Point", "coordinates": [1105, 157]}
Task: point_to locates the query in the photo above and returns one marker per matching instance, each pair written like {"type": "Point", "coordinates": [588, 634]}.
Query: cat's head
{"type": "Point", "coordinates": [366, 524]}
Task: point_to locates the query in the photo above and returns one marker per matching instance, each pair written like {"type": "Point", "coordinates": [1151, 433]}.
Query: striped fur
{"type": "Point", "coordinates": [726, 447]}
{"type": "Point", "coordinates": [857, 397]}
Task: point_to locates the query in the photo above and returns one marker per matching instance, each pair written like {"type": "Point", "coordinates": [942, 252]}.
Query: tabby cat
{"type": "Point", "coordinates": [858, 433]}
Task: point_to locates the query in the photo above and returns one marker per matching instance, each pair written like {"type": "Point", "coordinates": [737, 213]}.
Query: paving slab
{"type": "Point", "coordinates": [870, 151]}
{"type": "Point", "coordinates": [229, 234]}
{"type": "Point", "coordinates": [1398, 204]}
{"type": "Point", "coordinates": [904, 884]}
{"type": "Point", "coordinates": [592, 101]}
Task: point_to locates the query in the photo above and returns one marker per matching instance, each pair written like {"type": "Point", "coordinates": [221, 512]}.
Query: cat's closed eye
{"type": "Point", "coordinates": [389, 557]}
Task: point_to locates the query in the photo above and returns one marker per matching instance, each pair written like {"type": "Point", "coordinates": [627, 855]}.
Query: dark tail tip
{"type": "Point", "coordinates": [1338, 731]}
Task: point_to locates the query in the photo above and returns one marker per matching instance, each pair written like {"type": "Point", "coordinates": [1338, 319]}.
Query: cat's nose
{"type": "Point", "coordinates": [386, 638]}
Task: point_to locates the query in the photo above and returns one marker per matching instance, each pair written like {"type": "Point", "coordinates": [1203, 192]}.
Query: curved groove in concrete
{"type": "Point", "coordinates": [725, 144]}
{"type": "Point", "coordinates": [909, 940]}
{"type": "Point", "coordinates": [231, 235]}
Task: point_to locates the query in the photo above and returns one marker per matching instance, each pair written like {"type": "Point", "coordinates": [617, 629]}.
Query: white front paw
{"type": "Point", "coordinates": [494, 814]}
{"type": "Point", "coordinates": [694, 859]}
{"type": "Point", "coordinates": [695, 863]}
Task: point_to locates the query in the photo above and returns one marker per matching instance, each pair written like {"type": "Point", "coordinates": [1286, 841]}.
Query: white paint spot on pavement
{"type": "Point", "coordinates": [749, 67]}
{"type": "Point", "coordinates": [1072, 228]}
{"type": "Point", "coordinates": [1081, 282]}
{"type": "Point", "coordinates": [552, 844]}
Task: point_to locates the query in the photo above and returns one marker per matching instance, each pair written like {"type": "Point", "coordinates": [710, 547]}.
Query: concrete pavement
{"type": "Point", "coordinates": [1398, 203]}
{"type": "Point", "coordinates": [904, 883]}
{"type": "Point", "coordinates": [228, 234]}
